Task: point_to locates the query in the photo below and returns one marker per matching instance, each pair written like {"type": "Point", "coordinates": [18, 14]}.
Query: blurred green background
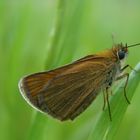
{"type": "Point", "coordinates": [41, 35]}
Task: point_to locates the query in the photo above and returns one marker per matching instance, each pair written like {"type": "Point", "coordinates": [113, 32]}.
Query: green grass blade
{"type": "Point", "coordinates": [106, 129]}
{"type": "Point", "coordinates": [39, 122]}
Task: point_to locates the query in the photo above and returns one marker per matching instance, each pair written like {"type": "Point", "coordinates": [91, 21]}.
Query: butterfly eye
{"type": "Point", "coordinates": [121, 54]}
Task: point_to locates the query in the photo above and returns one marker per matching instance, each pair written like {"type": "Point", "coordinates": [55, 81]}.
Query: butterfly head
{"type": "Point", "coordinates": [122, 50]}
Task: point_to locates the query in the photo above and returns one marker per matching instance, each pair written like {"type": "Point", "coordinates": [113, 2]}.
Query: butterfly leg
{"type": "Point", "coordinates": [104, 96]}
{"type": "Point", "coordinates": [126, 75]}
{"type": "Point", "coordinates": [107, 99]}
{"type": "Point", "coordinates": [128, 66]}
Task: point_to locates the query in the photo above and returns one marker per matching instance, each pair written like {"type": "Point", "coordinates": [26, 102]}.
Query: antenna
{"type": "Point", "coordinates": [133, 45]}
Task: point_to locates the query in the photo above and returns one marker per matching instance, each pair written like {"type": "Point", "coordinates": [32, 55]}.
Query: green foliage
{"type": "Point", "coordinates": [41, 35]}
{"type": "Point", "coordinates": [106, 129]}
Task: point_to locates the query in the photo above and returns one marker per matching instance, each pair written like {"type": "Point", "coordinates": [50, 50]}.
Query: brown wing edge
{"type": "Point", "coordinates": [24, 95]}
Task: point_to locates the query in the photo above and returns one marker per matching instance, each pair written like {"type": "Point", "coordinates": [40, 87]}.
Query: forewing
{"type": "Point", "coordinates": [67, 100]}
{"type": "Point", "coordinates": [67, 91]}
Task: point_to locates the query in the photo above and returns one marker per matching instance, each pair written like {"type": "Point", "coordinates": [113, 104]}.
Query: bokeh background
{"type": "Point", "coordinates": [41, 35]}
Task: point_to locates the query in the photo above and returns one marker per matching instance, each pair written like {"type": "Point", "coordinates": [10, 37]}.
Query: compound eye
{"type": "Point", "coordinates": [121, 54]}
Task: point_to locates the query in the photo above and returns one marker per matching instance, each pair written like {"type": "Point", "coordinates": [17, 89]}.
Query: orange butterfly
{"type": "Point", "coordinates": [67, 91]}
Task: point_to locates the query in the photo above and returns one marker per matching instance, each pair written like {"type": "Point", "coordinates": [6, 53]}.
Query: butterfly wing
{"type": "Point", "coordinates": [67, 91]}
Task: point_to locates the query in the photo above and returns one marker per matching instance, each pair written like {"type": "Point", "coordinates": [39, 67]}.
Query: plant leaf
{"type": "Point", "coordinates": [106, 129]}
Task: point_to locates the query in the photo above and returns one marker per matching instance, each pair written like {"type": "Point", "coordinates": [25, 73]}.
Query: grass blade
{"type": "Point", "coordinates": [104, 128]}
